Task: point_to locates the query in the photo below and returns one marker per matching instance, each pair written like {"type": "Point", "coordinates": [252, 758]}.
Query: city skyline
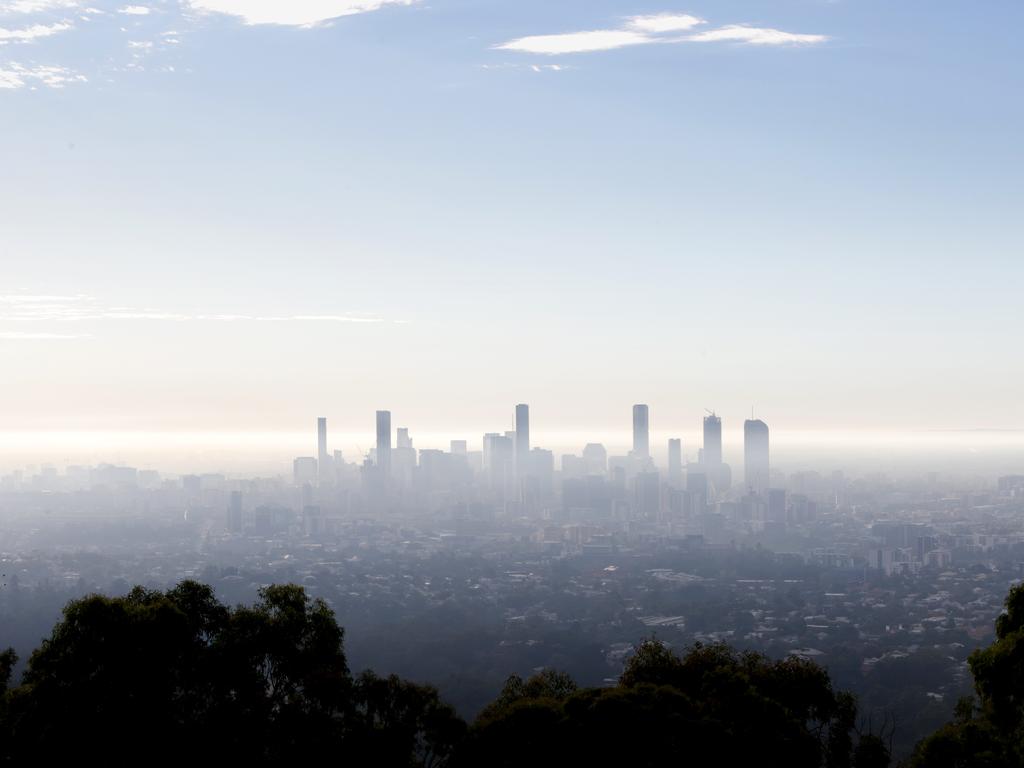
{"type": "Point", "coordinates": [962, 452]}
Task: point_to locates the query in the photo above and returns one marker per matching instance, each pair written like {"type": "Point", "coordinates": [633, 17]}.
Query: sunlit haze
{"type": "Point", "coordinates": [233, 216]}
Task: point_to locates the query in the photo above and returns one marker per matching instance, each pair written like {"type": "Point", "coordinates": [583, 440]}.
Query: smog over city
{"type": "Point", "coordinates": [446, 384]}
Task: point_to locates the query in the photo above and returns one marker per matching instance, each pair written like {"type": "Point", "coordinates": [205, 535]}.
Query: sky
{"type": "Point", "coordinates": [224, 216]}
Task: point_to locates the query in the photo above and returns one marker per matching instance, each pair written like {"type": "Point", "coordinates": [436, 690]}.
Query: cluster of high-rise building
{"type": "Point", "coordinates": [510, 474]}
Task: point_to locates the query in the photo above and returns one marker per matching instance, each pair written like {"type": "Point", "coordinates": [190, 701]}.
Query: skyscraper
{"type": "Point", "coordinates": [595, 457]}
{"type": "Point", "coordinates": [755, 456]}
{"type": "Point", "coordinates": [384, 444]}
{"type": "Point", "coordinates": [522, 439]}
{"type": "Point", "coordinates": [712, 441]}
{"type": "Point", "coordinates": [675, 461]}
{"type": "Point", "coordinates": [641, 432]}
{"type": "Point", "coordinates": [499, 459]}
{"type": "Point", "coordinates": [323, 460]}
{"type": "Point", "coordinates": [304, 470]}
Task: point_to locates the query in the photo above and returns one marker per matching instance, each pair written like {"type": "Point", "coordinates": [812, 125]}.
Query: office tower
{"type": "Point", "coordinates": [712, 441]}
{"type": "Point", "coordinates": [457, 447]}
{"type": "Point", "coordinates": [595, 457]}
{"type": "Point", "coordinates": [522, 440]}
{"type": "Point", "coordinates": [675, 461]}
{"type": "Point", "coordinates": [647, 496]}
{"type": "Point", "coordinates": [697, 489]}
{"type": "Point", "coordinates": [235, 513]}
{"type": "Point", "coordinates": [641, 432]}
{"type": "Point", "coordinates": [323, 460]}
{"type": "Point", "coordinates": [498, 459]}
{"type": "Point", "coordinates": [403, 459]}
{"type": "Point", "coordinates": [573, 466]}
{"type": "Point", "coordinates": [384, 444]}
{"type": "Point", "coordinates": [542, 469]}
{"type": "Point", "coordinates": [755, 455]}
{"type": "Point", "coordinates": [304, 470]}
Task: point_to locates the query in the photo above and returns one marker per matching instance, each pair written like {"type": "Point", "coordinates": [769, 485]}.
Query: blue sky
{"type": "Point", "coordinates": [213, 219]}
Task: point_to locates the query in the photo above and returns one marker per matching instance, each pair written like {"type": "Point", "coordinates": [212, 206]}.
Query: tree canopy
{"type": "Point", "coordinates": [177, 676]}
{"type": "Point", "coordinates": [167, 677]}
{"type": "Point", "coordinates": [988, 731]}
{"type": "Point", "coordinates": [710, 704]}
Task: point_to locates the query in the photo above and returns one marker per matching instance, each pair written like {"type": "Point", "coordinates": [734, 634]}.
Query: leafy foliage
{"type": "Point", "coordinates": [712, 704]}
{"type": "Point", "coordinates": [988, 732]}
{"type": "Point", "coordinates": [176, 676]}
{"type": "Point", "coordinates": [169, 676]}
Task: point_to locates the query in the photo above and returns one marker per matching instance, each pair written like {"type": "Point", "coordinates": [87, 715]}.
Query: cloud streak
{"type": "Point", "coordinates": [14, 76]}
{"type": "Point", "coordinates": [576, 42]}
{"type": "Point", "coordinates": [740, 33]}
{"type": "Point", "coordinates": [657, 28]}
{"type": "Point", "coordinates": [664, 22]}
{"type": "Point", "coordinates": [35, 6]}
{"type": "Point", "coordinates": [28, 34]}
{"type": "Point", "coordinates": [291, 13]}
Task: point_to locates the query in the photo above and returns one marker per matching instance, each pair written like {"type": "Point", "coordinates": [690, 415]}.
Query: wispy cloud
{"type": "Point", "coordinates": [664, 22]}
{"type": "Point", "coordinates": [657, 28]}
{"type": "Point", "coordinates": [35, 6]}
{"type": "Point", "coordinates": [133, 35]}
{"type": "Point", "coordinates": [14, 76]}
{"type": "Point", "coordinates": [741, 33]}
{"type": "Point", "coordinates": [34, 32]}
{"type": "Point", "coordinates": [331, 318]}
{"type": "Point", "coordinates": [293, 13]}
{"type": "Point", "coordinates": [576, 42]}
{"type": "Point", "coordinates": [528, 67]}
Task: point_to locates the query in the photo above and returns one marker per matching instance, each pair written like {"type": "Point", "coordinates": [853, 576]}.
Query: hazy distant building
{"type": "Point", "coordinates": [403, 459]}
{"type": "Point", "coordinates": [304, 470]}
{"type": "Point", "coordinates": [595, 459]}
{"type": "Point", "coordinates": [718, 472]}
{"type": "Point", "coordinates": [499, 459]}
{"type": "Point", "coordinates": [573, 467]}
{"type": "Point", "coordinates": [384, 444]}
{"type": "Point", "coordinates": [323, 459]}
{"type": "Point", "coordinates": [457, 447]}
{"type": "Point", "coordinates": [755, 456]}
{"type": "Point", "coordinates": [675, 461]}
{"type": "Point", "coordinates": [542, 470]}
{"type": "Point", "coordinates": [641, 432]}
{"type": "Point", "coordinates": [697, 489]}
{"type": "Point", "coordinates": [712, 441]}
{"type": "Point", "coordinates": [522, 439]}
{"type": "Point", "coordinates": [647, 495]}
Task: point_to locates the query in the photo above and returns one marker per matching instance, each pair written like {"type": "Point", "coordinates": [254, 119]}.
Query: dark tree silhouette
{"type": "Point", "coordinates": [175, 676]}
{"type": "Point", "coordinates": [988, 731]}
{"type": "Point", "coordinates": [712, 705]}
